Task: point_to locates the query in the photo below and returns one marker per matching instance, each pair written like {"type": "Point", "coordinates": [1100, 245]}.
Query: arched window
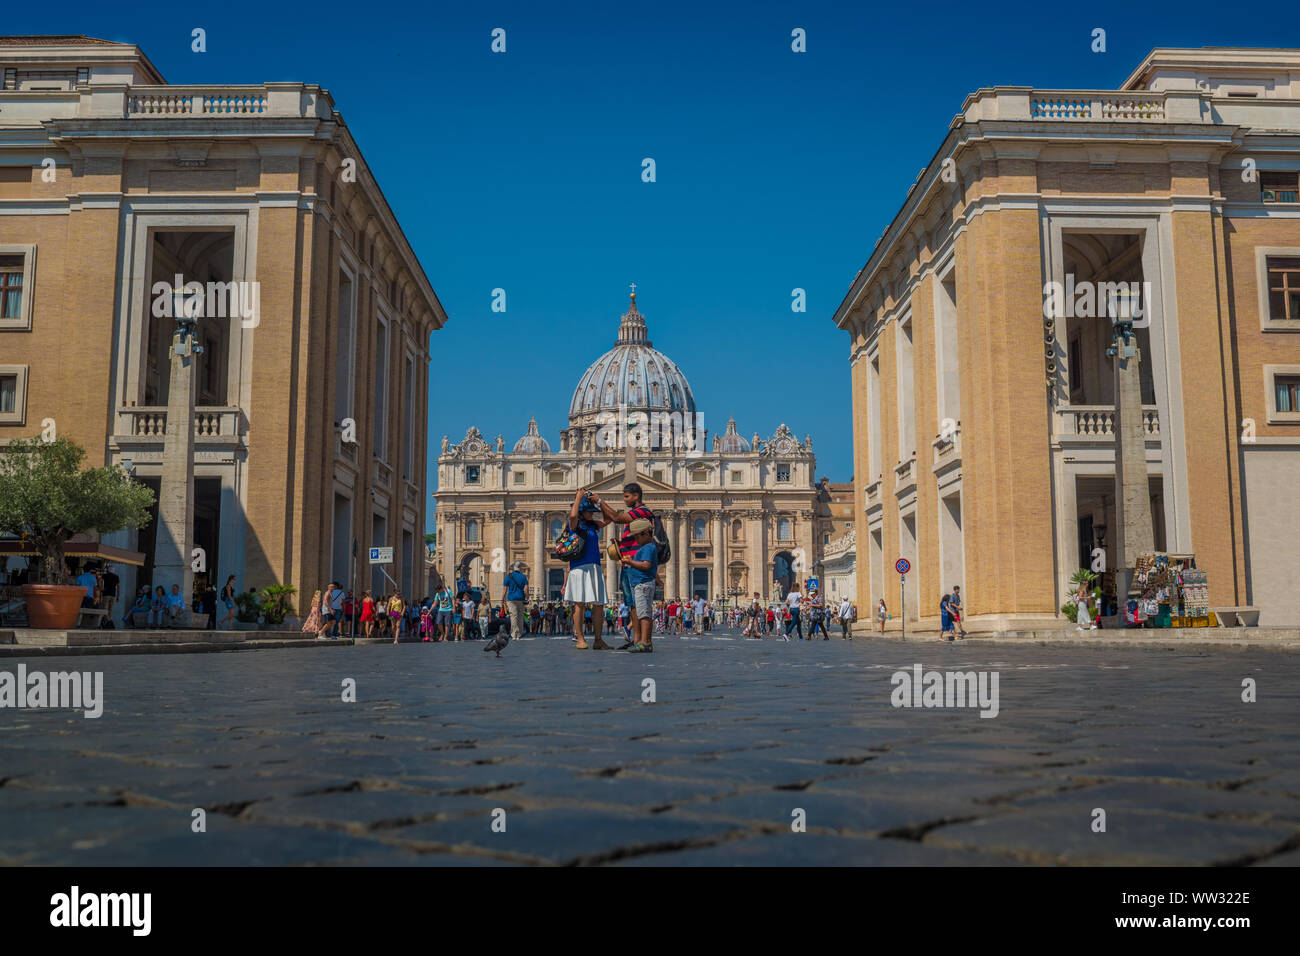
{"type": "Point", "coordinates": [471, 531]}
{"type": "Point", "coordinates": [783, 530]}
{"type": "Point", "coordinates": [736, 530]}
{"type": "Point", "coordinates": [699, 530]}
{"type": "Point", "coordinates": [557, 526]}
{"type": "Point", "coordinates": [519, 531]}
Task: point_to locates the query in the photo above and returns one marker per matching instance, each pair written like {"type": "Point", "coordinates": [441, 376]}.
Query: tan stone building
{"type": "Point", "coordinates": [984, 421]}
{"type": "Point", "coordinates": [310, 425]}
{"type": "Point", "coordinates": [740, 515]}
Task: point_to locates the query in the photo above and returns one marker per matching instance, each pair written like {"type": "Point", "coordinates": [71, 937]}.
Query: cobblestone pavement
{"type": "Point", "coordinates": [743, 735]}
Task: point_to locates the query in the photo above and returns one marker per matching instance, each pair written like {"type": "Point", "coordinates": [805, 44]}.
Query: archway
{"type": "Point", "coordinates": [783, 573]}
{"type": "Point", "coordinates": [469, 574]}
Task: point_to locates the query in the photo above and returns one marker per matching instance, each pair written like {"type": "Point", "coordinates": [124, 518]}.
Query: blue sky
{"type": "Point", "coordinates": [775, 170]}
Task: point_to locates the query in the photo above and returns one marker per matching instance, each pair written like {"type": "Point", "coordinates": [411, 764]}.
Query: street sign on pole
{"type": "Point", "coordinates": [381, 555]}
{"type": "Point", "coordinates": [902, 566]}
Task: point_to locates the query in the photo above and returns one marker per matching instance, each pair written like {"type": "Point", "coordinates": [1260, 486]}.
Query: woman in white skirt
{"type": "Point", "coordinates": [586, 582]}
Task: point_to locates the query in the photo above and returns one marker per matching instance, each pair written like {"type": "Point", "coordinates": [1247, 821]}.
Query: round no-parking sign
{"type": "Point", "coordinates": [903, 566]}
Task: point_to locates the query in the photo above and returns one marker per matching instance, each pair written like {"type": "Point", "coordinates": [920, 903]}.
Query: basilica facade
{"type": "Point", "coordinates": [741, 513]}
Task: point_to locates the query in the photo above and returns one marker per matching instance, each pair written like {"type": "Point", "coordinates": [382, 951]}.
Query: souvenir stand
{"type": "Point", "coordinates": [1173, 592]}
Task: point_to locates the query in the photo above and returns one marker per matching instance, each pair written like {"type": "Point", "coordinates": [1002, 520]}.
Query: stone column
{"type": "Point", "coordinates": [719, 556]}
{"type": "Point", "coordinates": [175, 540]}
{"type": "Point", "coordinates": [447, 538]}
{"type": "Point", "coordinates": [670, 572]}
{"type": "Point", "coordinates": [537, 573]}
{"type": "Point", "coordinates": [1132, 495]}
{"type": "Point", "coordinates": [683, 557]}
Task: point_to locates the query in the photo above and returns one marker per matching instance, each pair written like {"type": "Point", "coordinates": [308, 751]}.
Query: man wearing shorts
{"type": "Point", "coordinates": [633, 510]}
{"type": "Point", "coordinates": [444, 598]}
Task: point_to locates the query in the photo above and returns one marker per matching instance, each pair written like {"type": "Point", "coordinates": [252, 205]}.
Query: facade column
{"type": "Point", "coordinates": [447, 539]}
{"type": "Point", "coordinates": [805, 542]}
{"type": "Point", "coordinates": [537, 571]}
{"type": "Point", "coordinates": [670, 573]}
{"type": "Point", "coordinates": [683, 557]}
{"type": "Point", "coordinates": [719, 557]}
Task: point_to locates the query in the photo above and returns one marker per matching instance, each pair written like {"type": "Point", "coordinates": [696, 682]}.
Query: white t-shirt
{"type": "Point", "coordinates": [699, 607]}
{"type": "Point", "coordinates": [845, 611]}
{"type": "Point", "coordinates": [792, 599]}
{"type": "Point", "coordinates": [467, 610]}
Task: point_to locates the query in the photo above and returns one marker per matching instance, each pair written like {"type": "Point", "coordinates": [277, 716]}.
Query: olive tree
{"type": "Point", "coordinates": [46, 499]}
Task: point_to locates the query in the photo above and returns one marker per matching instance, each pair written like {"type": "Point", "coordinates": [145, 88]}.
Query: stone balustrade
{"type": "Point", "coordinates": [1097, 422]}
{"type": "Point", "coordinates": [150, 422]}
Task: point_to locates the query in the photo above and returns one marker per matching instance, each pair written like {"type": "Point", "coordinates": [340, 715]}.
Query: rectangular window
{"type": "Point", "coordinates": [471, 474]}
{"type": "Point", "coordinates": [16, 268]}
{"type": "Point", "coordinates": [737, 477]}
{"type": "Point", "coordinates": [597, 475]}
{"type": "Point", "coordinates": [657, 476]}
{"type": "Point", "coordinates": [1286, 393]}
{"type": "Point", "coordinates": [381, 391]}
{"type": "Point", "coordinates": [408, 409]}
{"type": "Point", "coordinates": [1278, 186]}
{"type": "Point", "coordinates": [699, 477]}
{"type": "Point", "coordinates": [343, 384]}
{"type": "Point", "coordinates": [519, 477]}
{"type": "Point", "coordinates": [1283, 289]}
{"type": "Point", "coordinates": [555, 477]}
{"type": "Point", "coordinates": [13, 394]}
{"type": "Point", "coordinates": [782, 473]}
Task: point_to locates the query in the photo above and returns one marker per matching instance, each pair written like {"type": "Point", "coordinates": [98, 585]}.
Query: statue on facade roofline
{"type": "Point", "coordinates": [445, 444]}
{"type": "Point", "coordinates": [501, 445]}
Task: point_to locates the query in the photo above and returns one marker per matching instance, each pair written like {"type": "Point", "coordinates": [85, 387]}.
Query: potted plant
{"type": "Point", "coordinates": [47, 499]}
{"type": "Point", "coordinates": [247, 611]}
{"type": "Point", "coordinates": [276, 603]}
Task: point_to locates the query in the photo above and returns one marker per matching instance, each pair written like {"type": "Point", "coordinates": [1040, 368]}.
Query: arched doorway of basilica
{"type": "Point", "coordinates": [469, 574]}
{"type": "Point", "coordinates": [783, 573]}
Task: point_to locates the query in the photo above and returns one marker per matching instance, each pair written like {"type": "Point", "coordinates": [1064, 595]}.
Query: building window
{"type": "Point", "coordinates": [16, 266]}
{"type": "Point", "coordinates": [699, 529]}
{"type": "Point", "coordinates": [737, 477]}
{"type": "Point", "coordinates": [736, 530]}
{"type": "Point", "coordinates": [597, 475]}
{"type": "Point", "coordinates": [1282, 394]}
{"type": "Point", "coordinates": [1278, 186]}
{"type": "Point", "coordinates": [699, 477]}
{"type": "Point", "coordinates": [657, 476]}
{"type": "Point", "coordinates": [408, 401]}
{"type": "Point", "coordinates": [826, 539]}
{"type": "Point", "coordinates": [519, 532]}
{"type": "Point", "coordinates": [519, 477]}
{"type": "Point", "coordinates": [557, 527]}
{"type": "Point", "coordinates": [1286, 393]}
{"type": "Point", "coordinates": [783, 473]}
{"type": "Point", "coordinates": [13, 394]}
{"type": "Point", "coordinates": [381, 391]}
{"type": "Point", "coordinates": [1283, 289]}
{"type": "Point", "coordinates": [471, 474]}
{"type": "Point", "coordinates": [555, 477]}
{"type": "Point", "coordinates": [783, 530]}
{"type": "Point", "coordinates": [471, 531]}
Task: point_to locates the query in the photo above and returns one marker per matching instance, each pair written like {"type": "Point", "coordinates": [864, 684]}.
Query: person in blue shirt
{"type": "Point", "coordinates": [513, 595]}
{"type": "Point", "coordinates": [585, 585]}
{"type": "Point", "coordinates": [643, 568]}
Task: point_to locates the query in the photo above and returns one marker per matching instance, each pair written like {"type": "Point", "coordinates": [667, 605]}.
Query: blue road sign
{"type": "Point", "coordinates": [903, 566]}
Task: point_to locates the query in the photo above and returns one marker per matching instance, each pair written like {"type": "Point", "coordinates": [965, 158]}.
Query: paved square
{"type": "Point", "coordinates": [744, 740]}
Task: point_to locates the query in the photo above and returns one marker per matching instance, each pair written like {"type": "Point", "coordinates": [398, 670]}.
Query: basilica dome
{"type": "Point", "coordinates": [532, 443]}
{"type": "Point", "coordinates": [632, 374]}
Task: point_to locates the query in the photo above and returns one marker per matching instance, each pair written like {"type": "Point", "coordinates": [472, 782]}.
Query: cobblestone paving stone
{"type": "Point", "coordinates": [743, 735]}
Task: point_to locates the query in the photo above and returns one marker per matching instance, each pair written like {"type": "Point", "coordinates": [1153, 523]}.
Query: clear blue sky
{"type": "Point", "coordinates": [775, 170]}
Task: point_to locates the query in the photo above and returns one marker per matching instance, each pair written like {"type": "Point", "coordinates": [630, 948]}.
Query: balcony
{"type": "Point", "coordinates": [148, 423]}
{"type": "Point", "coordinates": [947, 451]}
{"type": "Point", "coordinates": [873, 493]}
{"type": "Point", "coordinates": [905, 476]}
{"type": "Point", "coordinates": [1096, 423]}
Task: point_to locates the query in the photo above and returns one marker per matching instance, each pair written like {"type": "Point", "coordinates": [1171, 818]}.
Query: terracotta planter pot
{"type": "Point", "coordinates": [53, 606]}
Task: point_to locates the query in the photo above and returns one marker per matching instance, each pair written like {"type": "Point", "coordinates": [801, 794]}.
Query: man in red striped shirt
{"type": "Point", "coordinates": [633, 510]}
